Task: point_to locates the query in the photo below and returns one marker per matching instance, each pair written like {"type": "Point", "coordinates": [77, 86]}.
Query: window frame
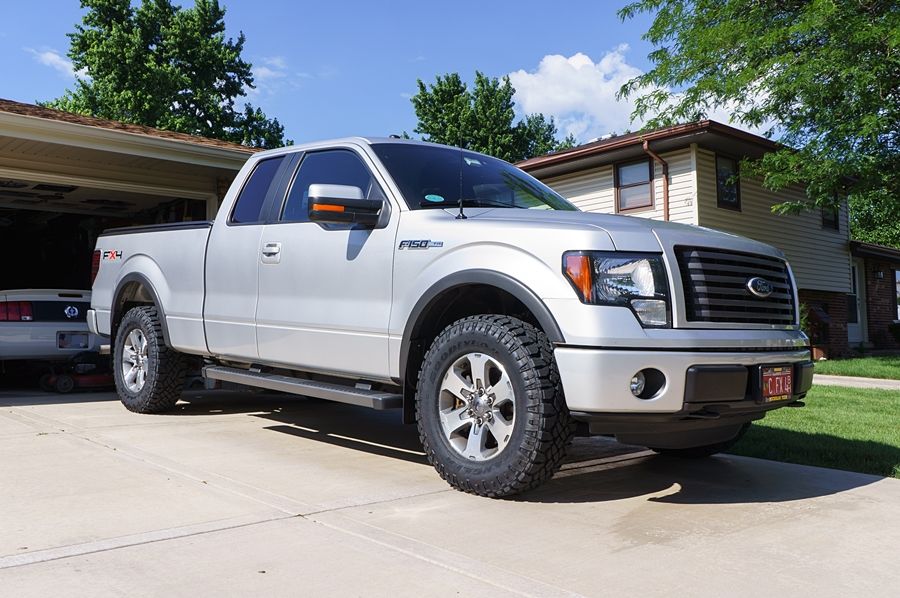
{"type": "Point", "coordinates": [897, 293]}
{"type": "Point", "coordinates": [834, 225]}
{"type": "Point", "coordinates": [720, 203]}
{"type": "Point", "coordinates": [650, 181]}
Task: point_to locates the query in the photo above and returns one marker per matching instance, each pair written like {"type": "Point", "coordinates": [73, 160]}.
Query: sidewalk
{"type": "Point", "coordinates": [854, 382]}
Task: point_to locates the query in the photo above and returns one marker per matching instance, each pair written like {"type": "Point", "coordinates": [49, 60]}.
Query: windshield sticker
{"type": "Point", "coordinates": [434, 198]}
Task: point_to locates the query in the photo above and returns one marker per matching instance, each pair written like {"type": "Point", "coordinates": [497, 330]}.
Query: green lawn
{"type": "Point", "coordinates": [867, 367]}
{"type": "Point", "coordinates": [843, 428]}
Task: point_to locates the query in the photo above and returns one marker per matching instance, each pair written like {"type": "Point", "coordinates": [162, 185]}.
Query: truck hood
{"type": "Point", "coordinates": [628, 233]}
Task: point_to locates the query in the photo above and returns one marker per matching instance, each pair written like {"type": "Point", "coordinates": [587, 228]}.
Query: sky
{"type": "Point", "coordinates": [337, 68]}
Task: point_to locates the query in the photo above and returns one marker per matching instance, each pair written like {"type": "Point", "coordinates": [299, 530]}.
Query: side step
{"type": "Point", "coordinates": [374, 399]}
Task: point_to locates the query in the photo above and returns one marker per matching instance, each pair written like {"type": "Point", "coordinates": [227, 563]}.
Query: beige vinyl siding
{"type": "Point", "coordinates": [594, 190]}
{"type": "Point", "coordinates": [591, 190]}
{"type": "Point", "coordinates": [819, 256]}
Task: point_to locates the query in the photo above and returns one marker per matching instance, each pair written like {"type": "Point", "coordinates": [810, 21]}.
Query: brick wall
{"type": "Point", "coordinates": [832, 336]}
{"type": "Point", "coordinates": [881, 303]}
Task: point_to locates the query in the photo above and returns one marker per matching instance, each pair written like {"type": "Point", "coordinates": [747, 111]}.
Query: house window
{"type": "Point", "coordinates": [831, 218]}
{"type": "Point", "coordinates": [728, 192]}
{"type": "Point", "coordinates": [634, 185]}
{"type": "Point", "coordinates": [897, 283]}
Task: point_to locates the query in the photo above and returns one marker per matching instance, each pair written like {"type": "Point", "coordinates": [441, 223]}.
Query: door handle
{"type": "Point", "coordinates": [271, 249]}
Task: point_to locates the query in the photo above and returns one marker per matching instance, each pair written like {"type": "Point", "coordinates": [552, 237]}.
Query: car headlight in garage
{"type": "Point", "coordinates": [634, 280]}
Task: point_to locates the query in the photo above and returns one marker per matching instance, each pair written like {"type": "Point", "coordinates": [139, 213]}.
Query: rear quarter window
{"type": "Point", "coordinates": [249, 204]}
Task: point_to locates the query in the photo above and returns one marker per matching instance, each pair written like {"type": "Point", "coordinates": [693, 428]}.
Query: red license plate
{"type": "Point", "coordinates": [777, 383]}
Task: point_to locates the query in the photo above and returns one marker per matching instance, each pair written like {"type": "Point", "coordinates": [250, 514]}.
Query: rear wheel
{"type": "Point", "coordinates": [149, 375]}
{"type": "Point", "coordinates": [64, 384]}
{"type": "Point", "coordinates": [490, 408]}
{"type": "Point", "coordinates": [701, 452]}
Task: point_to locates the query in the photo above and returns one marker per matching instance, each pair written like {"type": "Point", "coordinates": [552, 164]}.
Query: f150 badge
{"type": "Point", "coordinates": [421, 244]}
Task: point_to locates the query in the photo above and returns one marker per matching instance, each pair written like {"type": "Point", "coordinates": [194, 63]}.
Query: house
{"type": "Point", "coordinates": [690, 174]}
{"type": "Point", "coordinates": [65, 177]}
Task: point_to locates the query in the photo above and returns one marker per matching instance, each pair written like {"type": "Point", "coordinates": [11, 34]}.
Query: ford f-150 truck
{"type": "Point", "coordinates": [456, 288]}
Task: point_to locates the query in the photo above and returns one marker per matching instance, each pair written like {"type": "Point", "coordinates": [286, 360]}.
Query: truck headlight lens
{"type": "Point", "coordinates": [634, 280]}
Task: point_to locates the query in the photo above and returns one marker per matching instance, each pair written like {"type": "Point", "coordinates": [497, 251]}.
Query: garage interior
{"type": "Point", "coordinates": [64, 178]}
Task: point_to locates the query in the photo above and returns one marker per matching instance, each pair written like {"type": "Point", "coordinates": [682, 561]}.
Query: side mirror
{"type": "Point", "coordinates": [342, 204]}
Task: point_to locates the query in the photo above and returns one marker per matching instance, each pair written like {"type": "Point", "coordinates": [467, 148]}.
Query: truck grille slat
{"type": "Point", "coordinates": [715, 287]}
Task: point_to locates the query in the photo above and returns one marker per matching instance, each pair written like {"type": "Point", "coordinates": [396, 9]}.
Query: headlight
{"type": "Point", "coordinates": [634, 280]}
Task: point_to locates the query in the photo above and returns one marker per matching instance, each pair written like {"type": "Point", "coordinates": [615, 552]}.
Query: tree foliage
{"type": "Point", "coordinates": [168, 67]}
{"type": "Point", "coordinates": [825, 72]}
{"type": "Point", "coordinates": [482, 118]}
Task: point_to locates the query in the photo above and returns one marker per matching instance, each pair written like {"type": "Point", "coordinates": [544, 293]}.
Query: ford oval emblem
{"type": "Point", "coordinates": [760, 287]}
{"type": "Point", "coordinates": [71, 311]}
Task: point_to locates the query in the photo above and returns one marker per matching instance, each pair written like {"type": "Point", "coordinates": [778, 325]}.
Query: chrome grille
{"type": "Point", "coordinates": [715, 286]}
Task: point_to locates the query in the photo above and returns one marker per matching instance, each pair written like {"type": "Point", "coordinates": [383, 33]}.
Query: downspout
{"type": "Point", "coordinates": [665, 173]}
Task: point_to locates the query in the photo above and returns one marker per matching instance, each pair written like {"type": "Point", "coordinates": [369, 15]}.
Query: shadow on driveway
{"type": "Point", "coordinates": [597, 469]}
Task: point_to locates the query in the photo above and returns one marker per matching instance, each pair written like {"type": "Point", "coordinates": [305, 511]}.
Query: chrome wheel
{"type": "Point", "coordinates": [477, 407]}
{"type": "Point", "coordinates": [134, 360]}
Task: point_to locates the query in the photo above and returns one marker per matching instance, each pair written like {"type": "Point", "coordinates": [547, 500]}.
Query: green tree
{"type": "Point", "coordinates": [482, 119]}
{"type": "Point", "coordinates": [826, 72]}
{"type": "Point", "coordinates": [167, 67]}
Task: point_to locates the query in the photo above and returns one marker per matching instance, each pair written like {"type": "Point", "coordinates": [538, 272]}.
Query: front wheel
{"type": "Point", "coordinates": [149, 375]}
{"type": "Point", "coordinates": [490, 408]}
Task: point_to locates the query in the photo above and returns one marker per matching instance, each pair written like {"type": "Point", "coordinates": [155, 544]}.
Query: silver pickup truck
{"type": "Point", "coordinates": [456, 288]}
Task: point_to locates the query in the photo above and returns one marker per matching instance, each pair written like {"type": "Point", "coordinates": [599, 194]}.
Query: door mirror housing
{"type": "Point", "coordinates": [342, 204]}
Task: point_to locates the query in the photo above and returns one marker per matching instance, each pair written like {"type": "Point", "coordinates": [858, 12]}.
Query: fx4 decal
{"type": "Point", "coordinates": [420, 244]}
{"type": "Point", "coordinates": [114, 254]}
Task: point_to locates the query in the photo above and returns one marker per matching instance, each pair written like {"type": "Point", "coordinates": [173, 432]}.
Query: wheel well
{"type": "Point", "coordinates": [132, 294]}
{"type": "Point", "coordinates": [447, 307]}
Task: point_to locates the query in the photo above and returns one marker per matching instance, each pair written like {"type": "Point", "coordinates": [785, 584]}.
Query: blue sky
{"type": "Point", "coordinates": [336, 68]}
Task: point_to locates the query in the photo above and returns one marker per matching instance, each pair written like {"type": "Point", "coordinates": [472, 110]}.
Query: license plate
{"type": "Point", "coordinates": [72, 340]}
{"type": "Point", "coordinates": [777, 383]}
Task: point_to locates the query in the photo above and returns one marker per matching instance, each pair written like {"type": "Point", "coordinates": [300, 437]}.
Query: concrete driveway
{"type": "Point", "coordinates": [246, 493]}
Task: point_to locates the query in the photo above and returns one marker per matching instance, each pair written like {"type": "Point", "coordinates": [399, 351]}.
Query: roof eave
{"type": "Point", "coordinates": [112, 140]}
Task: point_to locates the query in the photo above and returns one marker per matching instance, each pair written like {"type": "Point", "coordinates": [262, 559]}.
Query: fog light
{"type": "Point", "coordinates": [638, 383]}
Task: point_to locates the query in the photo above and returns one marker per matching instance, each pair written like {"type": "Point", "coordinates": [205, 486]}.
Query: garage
{"type": "Point", "coordinates": [64, 178]}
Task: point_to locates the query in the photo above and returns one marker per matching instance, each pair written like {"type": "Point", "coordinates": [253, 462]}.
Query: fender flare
{"type": "Point", "coordinates": [481, 277]}
{"type": "Point", "coordinates": [154, 296]}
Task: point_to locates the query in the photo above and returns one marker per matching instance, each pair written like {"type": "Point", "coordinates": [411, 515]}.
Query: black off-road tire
{"type": "Point", "coordinates": [542, 426]}
{"type": "Point", "coordinates": [702, 452]}
{"type": "Point", "coordinates": [166, 368]}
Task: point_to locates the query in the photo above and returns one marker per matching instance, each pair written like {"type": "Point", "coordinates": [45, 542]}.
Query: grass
{"type": "Point", "coordinates": [866, 367]}
{"type": "Point", "coordinates": [842, 428]}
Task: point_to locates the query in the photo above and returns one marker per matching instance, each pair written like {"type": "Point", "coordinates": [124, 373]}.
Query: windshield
{"type": "Point", "coordinates": [436, 177]}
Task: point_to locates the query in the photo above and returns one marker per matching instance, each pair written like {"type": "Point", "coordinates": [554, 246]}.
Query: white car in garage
{"type": "Point", "coordinates": [44, 324]}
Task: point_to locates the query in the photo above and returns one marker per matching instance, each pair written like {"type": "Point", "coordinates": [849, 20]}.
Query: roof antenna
{"type": "Point", "coordinates": [461, 215]}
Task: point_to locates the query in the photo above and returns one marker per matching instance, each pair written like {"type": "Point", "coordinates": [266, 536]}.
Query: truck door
{"type": "Point", "coordinates": [325, 289]}
{"type": "Point", "coordinates": [232, 262]}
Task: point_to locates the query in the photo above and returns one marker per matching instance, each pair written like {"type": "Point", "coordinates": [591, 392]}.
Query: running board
{"type": "Point", "coordinates": [374, 399]}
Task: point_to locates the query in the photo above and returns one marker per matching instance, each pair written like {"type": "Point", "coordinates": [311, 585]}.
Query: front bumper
{"type": "Point", "coordinates": [597, 381]}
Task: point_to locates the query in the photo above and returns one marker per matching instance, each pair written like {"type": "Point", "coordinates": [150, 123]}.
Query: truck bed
{"type": "Point", "coordinates": [170, 259]}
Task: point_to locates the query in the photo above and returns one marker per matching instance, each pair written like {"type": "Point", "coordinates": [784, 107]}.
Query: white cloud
{"type": "Point", "coordinates": [581, 94]}
{"type": "Point", "coordinates": [57, 62]}
{"type": "Point", "coordinates": [276, 62]}
{"type": "Point", "coordinates": [264, 73]}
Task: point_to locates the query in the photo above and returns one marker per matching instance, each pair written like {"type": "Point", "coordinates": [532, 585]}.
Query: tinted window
{"type": "Point", "coordinates": [634, 186]}
{"type": "Point", "coordinates": [436, 177]}
{"type": "Point", "coordinates": [727, 192]}
{"type": "Point", "coordinates": [249, 204]}
{"type": "Point", "coordinates": [333, 167]}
